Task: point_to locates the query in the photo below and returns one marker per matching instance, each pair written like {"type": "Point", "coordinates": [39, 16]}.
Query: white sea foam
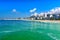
{"type": "Point", "coordinates": [6, 31]}
{"type": "Point", "coordinates": [10, 31]}
{"type": "Point", "coordinates": [51, 35]}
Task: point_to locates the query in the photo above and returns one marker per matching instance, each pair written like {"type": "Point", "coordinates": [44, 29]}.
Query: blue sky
{"type": "Point", "coordinates": [22, 7]}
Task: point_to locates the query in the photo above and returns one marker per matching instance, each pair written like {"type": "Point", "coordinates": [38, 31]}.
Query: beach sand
{"type": "Point", "coordinates": [51, 21]}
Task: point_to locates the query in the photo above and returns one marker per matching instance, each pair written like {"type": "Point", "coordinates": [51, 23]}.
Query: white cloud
{"type": "Point", "coordinates": [55, 10]}
{"type": "Point", "coordinates": [14, 10]}
{"type": "Point", "coordinates": [41, 14]}
{"type": "Point", "coordinates": [35, 14]}
{"type": "Point", "coordinates": [52, 11]}
{"type": "Point", "coordinates": [32, 14]}
{"type": "Point", "coordinates": [33, 10]}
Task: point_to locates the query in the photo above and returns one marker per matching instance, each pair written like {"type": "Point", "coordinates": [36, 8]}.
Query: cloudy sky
{"type": "Point", "coordinates": [23, 8]}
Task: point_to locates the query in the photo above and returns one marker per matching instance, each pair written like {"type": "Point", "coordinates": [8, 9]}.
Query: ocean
{"type": "Point", "coordinates": [29, 30]}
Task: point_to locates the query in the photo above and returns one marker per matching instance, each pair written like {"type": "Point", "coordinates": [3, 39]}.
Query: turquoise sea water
{"type": "Point", "coordinates": [28, 30]}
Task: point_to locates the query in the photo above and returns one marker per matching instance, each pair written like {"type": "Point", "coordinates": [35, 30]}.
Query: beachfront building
{"type": "Point", "coordinates": [57, 17]}
{"type": "Point", "coordinates": [53, 14]}
{"type": "Point", "coordinates": [33, 16]}
{"type": "Point", "coordinates": [45, 16]}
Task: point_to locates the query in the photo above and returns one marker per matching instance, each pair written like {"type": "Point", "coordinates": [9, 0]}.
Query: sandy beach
{"type": "Point", "coordinates": [51, 21]}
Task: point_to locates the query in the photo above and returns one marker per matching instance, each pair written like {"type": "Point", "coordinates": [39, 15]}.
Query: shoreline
{"type": "Point", "coordinates": [51, 21]}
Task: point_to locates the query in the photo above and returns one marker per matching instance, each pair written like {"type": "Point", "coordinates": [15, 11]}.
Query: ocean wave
{"type": "Point", "coordinates": [9, 31]}
{"type": "Point", "coordinates": [6, 31]}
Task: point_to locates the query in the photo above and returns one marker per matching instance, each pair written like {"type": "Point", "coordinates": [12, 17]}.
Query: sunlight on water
{"type": "Point", "coordinates": [9, 29]}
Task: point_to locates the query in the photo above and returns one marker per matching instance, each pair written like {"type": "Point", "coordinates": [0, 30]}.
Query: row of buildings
{"type": "Point", "coordinates": [53, 14]}
{"type": "Point", "coordinates": [36, 16]}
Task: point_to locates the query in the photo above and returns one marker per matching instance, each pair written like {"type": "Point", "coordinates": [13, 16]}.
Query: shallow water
{"type": "Point", "coordinates": [28, 30]}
